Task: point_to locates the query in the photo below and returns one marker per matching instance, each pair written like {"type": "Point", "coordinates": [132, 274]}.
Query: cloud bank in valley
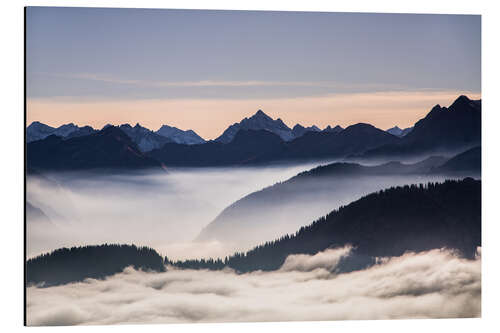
{"type": "Point", "coordinates": [163, 210]}
{"type": "Point", "coordinates": [434, 284]}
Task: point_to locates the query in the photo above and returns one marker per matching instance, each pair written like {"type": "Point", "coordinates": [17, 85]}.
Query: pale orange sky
{"type": "Point", "coordinates": [210, 117]}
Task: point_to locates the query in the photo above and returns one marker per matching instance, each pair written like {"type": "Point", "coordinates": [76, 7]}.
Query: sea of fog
{"type": "Point", "coordinates": [164, 210]}
{"type": "Point", "coordinates": [167, 210]}
{"type": "Point", "coordinates": [433, 284]}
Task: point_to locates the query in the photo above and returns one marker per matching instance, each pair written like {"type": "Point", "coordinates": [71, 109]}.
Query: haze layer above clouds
{"type": "Point", "coordinates": [163, 210]}
{"type": "Point", "coordinates": [167, 211]}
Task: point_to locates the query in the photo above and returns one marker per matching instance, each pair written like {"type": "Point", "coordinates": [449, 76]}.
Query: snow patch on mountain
{"type": "Point", "coordinates": [188, 137]}
{"type": "Point", "coordinates": [39, 131]}
{"type": "Point", "coordinates": [145, 139]}
{"type": "Point", "coordinates": [259, 121]}
{"type": "Point", "coordinates": [398, 131]}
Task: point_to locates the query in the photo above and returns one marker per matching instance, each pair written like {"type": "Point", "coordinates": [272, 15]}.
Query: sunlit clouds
{"type": "Point", "coordinates": [434, 284]}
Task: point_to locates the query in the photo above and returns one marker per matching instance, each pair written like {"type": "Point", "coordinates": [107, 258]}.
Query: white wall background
{"type": "Point", "coordinates": [11, 218]}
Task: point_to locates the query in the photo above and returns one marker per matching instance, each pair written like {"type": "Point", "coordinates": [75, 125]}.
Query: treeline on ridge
{"type": "Point", "coordinates": [78, 263]}
{"type": "Point", "coordinates": [386, 223]}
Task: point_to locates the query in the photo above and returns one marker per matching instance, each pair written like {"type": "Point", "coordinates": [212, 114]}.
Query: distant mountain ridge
{"type": "Point", "coordinates": [398, 131]}
{"type": "Point", "coordinates": [243, 149]}
{"type": "Point", "coordinates": [109, 148]}
{"type": "Point", "coordinates": [444, 128]}
{"type": "Point", "coordinates": [382, 224]}
{"type": "Point", "coordinates": [262, 146]}
{"type": "Point", "coordinates": [309, 193]}
{"type": "Point", "coordinates": [335, 129]}
{"type": "Point", "coordinates": [259, 121]}
{"type": "Point", "coordinates": [299, 130]}
{"type": "Point", "coordinates": [145, 139]}
{"type": "Point", "coordinates": [39, 131]}
{"type": "Point", "coordinates": [468, 161]}
{"type": "Point", "coordinates": [188, 137]}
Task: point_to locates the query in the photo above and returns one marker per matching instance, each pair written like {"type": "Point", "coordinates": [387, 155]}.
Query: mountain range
{"type": "Point", "coordinates": [39, 131]}
{"type": "Point", "coordinates": [263, 146]}
{"type": "Point", "coordinates": [188, 137]}
{"type": "Point", "coordinates": [145, 138]}
{"type": "Point", "coordinates": [261, 121]}
{"type": "Point", "coordinates": [109, 148]}
{"type": "Point", "coordinates": [442, 129]}
{"type": "Point", "coordinates": [260, 139]}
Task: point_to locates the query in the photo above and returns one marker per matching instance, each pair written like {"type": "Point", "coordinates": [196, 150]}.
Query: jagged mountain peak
{"type": "Point", "coordinates": [188, 137]}
{"type": "Point", "coordinates": [335, 129]}
{"type": "Point", "coordinates": [261, 116]}
{"type": "Point", "coordinates": [38, 124]}
{"type": "Point", "coordinates": [260, 113]}
{"type": "Point", "coordinates": [397, 131]}
{"type": "Point", "coordinates": [259, 121]}
{"type": "Point", "coordinates": [464, 103]}
{"type": "Point", "coordinates": [299, 130]}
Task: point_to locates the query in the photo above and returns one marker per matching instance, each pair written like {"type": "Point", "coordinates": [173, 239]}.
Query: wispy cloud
{"type": "Point", "coordinates": [223, 83]}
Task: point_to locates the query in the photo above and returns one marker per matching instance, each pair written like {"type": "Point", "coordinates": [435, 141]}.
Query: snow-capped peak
{"type": "Point", "coordinates": [188, 137]}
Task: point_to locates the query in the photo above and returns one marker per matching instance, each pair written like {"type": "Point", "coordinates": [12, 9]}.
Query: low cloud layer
{"type": "Point", "coordinates": [434, 284]}
{"type": "Point", "coordinates": [163, 210]}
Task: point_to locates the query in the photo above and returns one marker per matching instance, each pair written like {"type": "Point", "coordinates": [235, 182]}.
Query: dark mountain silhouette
{"type": "Point", "coordinates": [263, 146]}
{"type": "Point", "coordinates": [109, 148]}
{"type": "Point", "coordinates": [39, 131]}
{"type": "Point", "coordinates": [188, 137]}
{"type": "Point", "coordinates": [283, 207]}
{"type": "Point", "coordinates": [81, 131]}
{"type": "Point", "coordinates": [385, 223]}
{"type": "Point", "coordinates": [259, 121]}
{"type": "Point", "coordinates": [79, 263]}
{"type": "Point", "coordinates": [398, 131]}
{"type": "Point", "coordinates": [468, 161]}
{"type": "Point", "coordinates": [299, 130]}
{"type": "Point", "coordinates": [244, 148]}
{"type": "Point", "coordinates": [144, 138]}
{"type": "Point", "coordinates": [318, 145]}
{"type": "Point", "coordinates": [335, 129]}
{"type": "Point", "coordinates": [443, 129]}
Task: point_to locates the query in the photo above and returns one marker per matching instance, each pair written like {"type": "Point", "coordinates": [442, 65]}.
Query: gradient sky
{"type": "Point", "coordinates": [205, 70]}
